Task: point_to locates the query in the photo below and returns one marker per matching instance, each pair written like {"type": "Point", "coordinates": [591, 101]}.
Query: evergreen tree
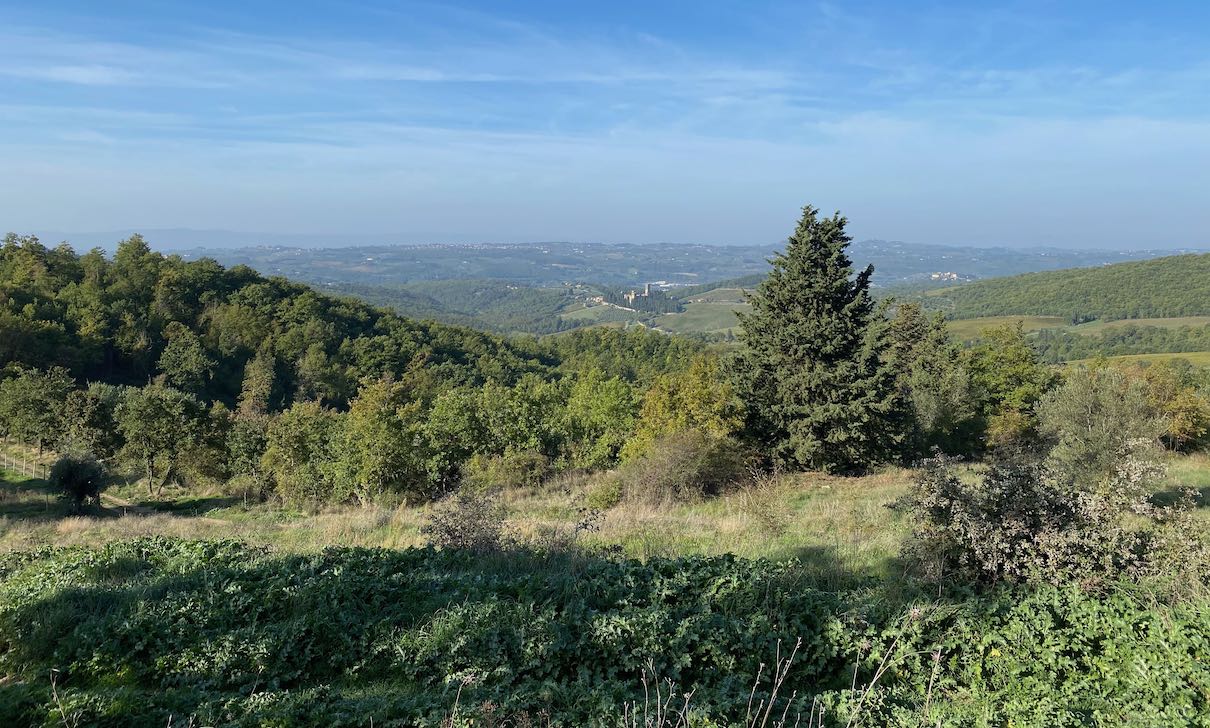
{"type": "Point", "coordinates": [933, 378]}
{"type": "Point", "coordinates": [814, 374]}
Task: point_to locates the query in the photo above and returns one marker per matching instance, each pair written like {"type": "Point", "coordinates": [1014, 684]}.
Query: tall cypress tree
{"type": "Point", "coordinates": [818, 388]}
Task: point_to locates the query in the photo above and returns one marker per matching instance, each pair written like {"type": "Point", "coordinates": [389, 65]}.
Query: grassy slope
{"type": "Point", "coordinates": [836, 525]}
{"type": "Point", "coordinates": [968, 329]}
{"type": "Point", "coordinates": [1194, 357]}
{"type": "Point", "coordinates": [837, 522]}
{"type": "Point", "coordinates": [708, 317]}
{"type": "Point", "coordinates": [717, 295]}
{"type": "Point", "coordinates": [589, 315]}
{"type": "Point", "coordinates": [1174, 322]}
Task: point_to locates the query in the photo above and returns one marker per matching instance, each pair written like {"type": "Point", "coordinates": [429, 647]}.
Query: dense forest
{"type": "Point", "coordinates": [1159, 288]}
{"type": "Point", "coordinates": [196, 361]}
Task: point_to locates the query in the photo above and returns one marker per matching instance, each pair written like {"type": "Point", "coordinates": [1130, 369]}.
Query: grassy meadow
{"type": "Point", "coordinates": [969, 329]}
{"type": "Point", "coordinates": [836, 526]}
{"type": "Point", "coordinates": [706, 317]}
{"type": "Point", "coordinates": [1197, 358]}
{"type": "Point", "coordinates": [803, 516]}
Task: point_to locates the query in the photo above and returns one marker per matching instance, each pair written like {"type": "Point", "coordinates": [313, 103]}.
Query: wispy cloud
{"type": "Point", "coordinates": [782, 102]}
{"type": "Point", "coordinates": [93, 75]}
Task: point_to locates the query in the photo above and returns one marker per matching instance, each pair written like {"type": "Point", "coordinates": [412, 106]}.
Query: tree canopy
{"type": "Point", "coordinates": [819, 390]}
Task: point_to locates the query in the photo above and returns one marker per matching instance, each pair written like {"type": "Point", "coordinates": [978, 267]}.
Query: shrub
{"type": "Point", "coordinates": [564, 538]}
{"type": "Point", "coordinates": [684, 466]}
{"type": "Point", "coordinates": [78, 478]}
{"type": "Point", "coordinates": [523, 469]}
{"type": "Point", "coordinates": [1020, 522]}
{"type": "Point", "coordinates": [760, 499]}
{"type": "Point", "coordinates": [605, 493]}
{"type": "Point", "coordinates": [248, 487]}
{"type": "Point", "coordinates": [471, 520]}
{"type": "Point", "coordinates": [1092, 418]}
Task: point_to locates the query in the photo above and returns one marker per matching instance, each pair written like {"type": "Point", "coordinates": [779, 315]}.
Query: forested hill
{"type": "Point", "coordinates": [1159, 288]}
{"type": "Point", "coordinates": [211, 331]}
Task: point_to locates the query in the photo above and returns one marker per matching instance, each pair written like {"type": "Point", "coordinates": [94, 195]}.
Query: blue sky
{"type": "Point", "coordinates": [1034, 123]}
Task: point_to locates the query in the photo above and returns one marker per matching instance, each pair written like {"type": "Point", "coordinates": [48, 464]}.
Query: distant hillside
{"type": "Point", "coordinates": [497, 306]}
{"type": "Point", "coordinates": [545, 265]}
{"type": "Point", "coordinates": [1158, 288]}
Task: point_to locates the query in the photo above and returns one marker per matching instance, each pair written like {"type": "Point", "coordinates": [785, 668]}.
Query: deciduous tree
{"type": "Point", "coordinates": [159, 424]}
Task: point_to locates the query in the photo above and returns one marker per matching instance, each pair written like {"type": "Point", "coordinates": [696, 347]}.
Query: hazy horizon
{"type": "Point", "coordinates": [185, 239]}
{"type": "Point", "coordinates": [1024, 124]}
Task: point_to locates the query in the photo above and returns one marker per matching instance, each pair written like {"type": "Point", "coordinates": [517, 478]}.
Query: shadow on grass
{"type": "Point", "coordinates": [193, 625]}
{"type": "Point", "coordinates": [190, 506]}
{"type": "Point", "coordinates": [34, 500]}
{"type": "Point", "coordinates": [1174, 495]}
{"type": "Point", "coordinates": [164, 632]}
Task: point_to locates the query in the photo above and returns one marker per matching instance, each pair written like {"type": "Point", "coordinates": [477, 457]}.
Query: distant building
{"type": "Point", "coordinates": [632, 294]}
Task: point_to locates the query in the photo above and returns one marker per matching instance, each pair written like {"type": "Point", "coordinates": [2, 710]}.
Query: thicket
{"type": "Point", "coordinates": [1077, 504]}
{"type": "Point", "coordinates": [78, 479]}
{"type": "Point", "coordinates": [165, 632]}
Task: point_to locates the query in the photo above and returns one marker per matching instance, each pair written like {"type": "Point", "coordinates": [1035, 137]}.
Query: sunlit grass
{"type": "Point", "coordinates": [1197, 358]}
{"type": "Point", "coordinates": [969, 329]}
{"type": "Point", "coordinates": [841, 526]}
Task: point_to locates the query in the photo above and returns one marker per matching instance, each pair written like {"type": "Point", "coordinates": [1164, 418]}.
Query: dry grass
{"type": "Point", "coordinates": [839, 525]}
{"type": "Point", "coordinates": [840, 519]}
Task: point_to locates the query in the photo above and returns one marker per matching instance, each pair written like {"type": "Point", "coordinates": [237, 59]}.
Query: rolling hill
{"type": "Point", "coordinates": [1174, 286]}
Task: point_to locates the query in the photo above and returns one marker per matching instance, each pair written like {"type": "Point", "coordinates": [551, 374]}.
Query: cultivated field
{"type": "Point", "coordinates": [706, 317]}
{"type": "Point", "coordinates": [968, 329]}
{"type": "Point", "coordinates": [1200, 358]}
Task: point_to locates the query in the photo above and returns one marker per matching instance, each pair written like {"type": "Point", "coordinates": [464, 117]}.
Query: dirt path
{"type": "Point", "coordinates": [112, 501]}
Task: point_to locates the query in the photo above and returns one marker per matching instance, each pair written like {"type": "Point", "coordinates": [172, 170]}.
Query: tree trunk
{"type": "Point", "coordinates": [164, 481]}
{"type": "Point", "coordinates": [150, 480]}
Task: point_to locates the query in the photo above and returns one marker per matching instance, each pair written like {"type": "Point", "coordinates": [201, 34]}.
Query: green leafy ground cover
{"type": "Point", "coordinates": [167, 632]}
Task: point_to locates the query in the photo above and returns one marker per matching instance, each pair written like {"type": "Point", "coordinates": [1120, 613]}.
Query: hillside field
{"type": "Point", "coordinates": [705, 317]}
{"type": "Point", "coordinates": [1095, 327]}
{"type": "Point", "coordinates": [1199, 358]}
{"type": "Point", "coordinates": [840, 526]}
{"type": "Point", "coordinates": [970, 329]}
